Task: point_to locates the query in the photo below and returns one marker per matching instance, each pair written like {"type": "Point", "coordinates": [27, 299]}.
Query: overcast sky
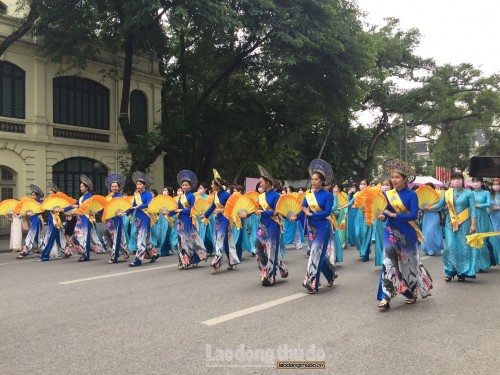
{"type": "Point", "coordinates": [453, 31]}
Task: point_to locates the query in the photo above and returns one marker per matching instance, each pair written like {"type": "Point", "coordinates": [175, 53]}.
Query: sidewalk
{"type": "Point", "coordinates": [4, 244]}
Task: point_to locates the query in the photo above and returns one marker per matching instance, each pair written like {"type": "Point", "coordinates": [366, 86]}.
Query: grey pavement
{"type": "Point", "coordinates": [65, 317]}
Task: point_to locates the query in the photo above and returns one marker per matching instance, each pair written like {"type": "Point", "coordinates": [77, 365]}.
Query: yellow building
{"type": "Point", "coordinates": [53, 127]}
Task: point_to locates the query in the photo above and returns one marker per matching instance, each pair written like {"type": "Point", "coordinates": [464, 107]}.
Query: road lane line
{"type": "Point", "coordinates": [19, 262]}
{"type": "Point", "coordinates": [251, 310]}
{"type": "Point", "coordinates": [114, 274]}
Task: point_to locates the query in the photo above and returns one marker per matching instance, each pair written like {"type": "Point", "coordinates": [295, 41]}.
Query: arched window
{"type": "Point", "coordinates": [139, 111]}
{"type": "Point", "coordinates": [11, 90]}
{"type": "Point", "coordinates": [81, 102]}
{"type": "Point", "coordinates": [8, 179]}
{"type": "Point", "coordinates": [66, 175]}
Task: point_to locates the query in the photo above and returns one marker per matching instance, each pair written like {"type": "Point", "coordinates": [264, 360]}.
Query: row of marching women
{"type": "Point", "coordinates": [226, 222]}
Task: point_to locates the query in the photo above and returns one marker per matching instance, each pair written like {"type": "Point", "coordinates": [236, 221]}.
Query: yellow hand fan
{"type": "Point", "coordinates": [342, 199]}
{"type": "Point", "coordinates": [92, 205]}
{"type": "Point", "coordinates": [130, 199]}
{"type": "Point", "coordinates": [375, 204]}
{"type": "Point", "coordinates": [300, 197]}
{"type": "Point", "coordinates": [200, 206]}
{"type": "Point", "coordinates": [427, 196]}
{"type": "Point", "coordinates": [288, 206]}
{"type": "Point", "coordinates": [8, 205]}
{"type": "Point", "coordinates": [253, 195]}
{"type": "Point", "coordinates": [28, 206]}
{"type": "Point", "coordinates": [162, 203]}
{"type": "Point", "coordinates": [477, 239]}
{"type": "Point", "coordinates": [115, 207]}
{"type": "Point", "coordinates": [58, 200]}
{"type": "Point", "coordinates": [238, 205]}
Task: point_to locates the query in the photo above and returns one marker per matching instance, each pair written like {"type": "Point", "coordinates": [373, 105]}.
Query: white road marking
{"type": "Point", "coordinates": [19, 262]}
{"type": "Point", "coordinates": [115, 274]}
{"type": "Point", "coordinates": [425, 257]}
{"type": "Point", "coordinates": [250, 310]}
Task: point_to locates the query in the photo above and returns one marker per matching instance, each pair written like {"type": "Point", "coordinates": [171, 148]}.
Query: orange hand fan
{"type": "Point", "coordinates": [115, 207]}
{"type": "Point", "coordinates": [375, 204]}
{"type": "Point", "coordinates": [28, 206]}
{"type": "Point", "coordinates": [288, 206]}
{"type": "Point", "coordinates": [200, 206]}
{"type": "Point", "coordinates": [162, 203]}
{"type": "Point", "coordinates": [359, 199]}
{"type": "Point", "coordinates": [342, 199]}
{"type": "Point", "coordinates": [130, 199]}
{"type": "Point", "coordinates": [300, 197]}
{"type": "Point", "coordinates": [58, 200]}
{"type": "Point", "coordinates": [92, 205]}
{"type": "Point", "coordinates": [253, 195]}
{"type": "Point", "coordinates": [427, 196]}
{"type": "Point", "coordinates": [8, 205]}
{"type": "Point", "coordinates": [237, 205]}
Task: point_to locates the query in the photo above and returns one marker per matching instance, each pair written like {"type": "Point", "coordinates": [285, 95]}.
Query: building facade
{"type": "Point", "coordinates": [53, 126]}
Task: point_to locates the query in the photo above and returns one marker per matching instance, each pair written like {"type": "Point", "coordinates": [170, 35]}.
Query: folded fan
{"type": "Point", "coordinates": [163, 203]}
{"type": "Point", "coordinates": [57, 200]}
{"type": "Point", "coordinates": [342, 199]}
{"type": "Point", "coordinates": [477, 239]}
{"type": "Point", "coordinates": [375, 204]}
{"type": "Point", "coordinates": [427, 196]}
{"type": "Point", "coordinates": [200, 206]}
{"type": "Point", "coordinates": [288, 206]}
{"type": "Point", "coordinates": [28, 206]}
{"type": "Point", "coordinates": [115, 207]}
{"type": "Point", "coordinates": [92, 205]}
{"type": "Point", "coordinates": [8, 205]}
{"type": "Point", "coordinates": [238, 205]}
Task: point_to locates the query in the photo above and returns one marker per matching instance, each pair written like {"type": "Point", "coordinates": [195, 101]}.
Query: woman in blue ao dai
{"type": "Point", "coordinates": [191, 247]}
{"type": "Point", "coordinates": [85, 236]}
{"type": "Point", "coordinates": [317, 206]}
{"type": "Point", "coordinates": [459, 258]}
{"type": "Point", "coordinates": [223, 235]}
{"type": "Point", "coordinates": [402, 272]}
{"type": "Point", "coordinates": [142, 243]}
{"type": "Point", "coordinates": [54, 243]}
{"type": "Point", "coordinates": [116, 240]}
{"type": "Point", "coordinates": [267, 243]}
{"type": "Point", "coordinates": [34, 236]}
{"type": "Point", "coordinates": [431, 229]}
{"type": "Point", "coordinates": [490, 252]}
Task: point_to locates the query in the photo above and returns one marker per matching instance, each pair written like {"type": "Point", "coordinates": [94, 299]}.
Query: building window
{"type": "Point", "coordinates": [66, 175]}
{"type": "Point", "coordinates": [11, 90]}
{"type": "Point", "coordinates": [139, 112]}
{"type": "Point", "coordinates": [81, 102]}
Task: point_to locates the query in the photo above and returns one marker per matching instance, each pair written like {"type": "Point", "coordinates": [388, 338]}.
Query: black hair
{"type": "Point", "coordinates": [339, 186]}
{"type": "Point", "coordinates": [238, 188]}
{"type": "Point", "coordinates": [188, 181]}
{"type": "Point", "coordinates": [430, 184]}
{"type": "Point", "coordinates": [170, 190]}
{"type": "Point", "coordinates": [257, 186]}
{"type": "Point", "coordinates": [155, 192]}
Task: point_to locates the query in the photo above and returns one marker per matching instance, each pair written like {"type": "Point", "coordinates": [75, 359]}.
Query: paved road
{"type": "Point", "coordinates": [65, 317]}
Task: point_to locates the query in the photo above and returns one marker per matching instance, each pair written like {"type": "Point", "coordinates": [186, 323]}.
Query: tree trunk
{"type": "Point", "coordinates": [23, 29]}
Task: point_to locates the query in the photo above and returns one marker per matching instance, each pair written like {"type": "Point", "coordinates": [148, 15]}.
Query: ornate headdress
{"type": "Point", "coordinates": [322, 167]}
{"type": "Point", "coordinates": [218, 180]}
{"type": "Point", "coordinates": [141, 176]}
{"type": "Point", "coordinates": [265, 174]}
{"type": "Point", "coordinates": [187, 175]}
{"type": "Point", "coordinates": [85, 180]}
{"type": "Point", "coordinates": [115, 178]}
{"type": "Point", "coordinates": [37, 190]}
{"type": "Point", "coordinates": [396, 165]}
{"type": "Point", "coordinates": [53, 187]}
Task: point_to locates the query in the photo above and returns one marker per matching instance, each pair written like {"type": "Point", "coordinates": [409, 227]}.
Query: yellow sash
{"type": "Point", "coordinates": [266, 207]}
{"type": "Point", "coordinates": [185, 204]}
{"type": "Point", "coordinates": [138, 199]}
{"type": "Point", "coordinates": [456, 219]}
{"type": "Point", "coordinates": [217, 202]}
{"type": "Point", "coordinates": [314, 206]}
{"type": "Point", "coordinates": [399, 207]}
{"type": "Point", "coordinates": [57, 219]}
